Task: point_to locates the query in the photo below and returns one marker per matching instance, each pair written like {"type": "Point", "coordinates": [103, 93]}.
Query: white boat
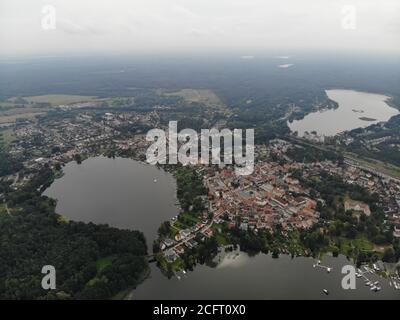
{"type": "Point", "coordinates": [375, 288]}
{"type": "Point", "coordinates": [155, 180]}
{"type": "Point", "coordinates": [328, 270]}
{"type": "Point", "coordinates": [325, 291]}
{"type": "Point", "coordinates": [184, 272]}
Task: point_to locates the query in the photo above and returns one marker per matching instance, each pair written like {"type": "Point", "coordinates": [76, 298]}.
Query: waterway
{"type": "Point", "coordinates": [356, 110]}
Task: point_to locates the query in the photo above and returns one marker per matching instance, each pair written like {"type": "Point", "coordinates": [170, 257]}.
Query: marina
{"type": "Point", "coordinates": [231, 275]}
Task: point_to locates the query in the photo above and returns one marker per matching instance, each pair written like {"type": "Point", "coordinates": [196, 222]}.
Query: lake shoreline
{"type": "Point", "coordinates": [334, 121]}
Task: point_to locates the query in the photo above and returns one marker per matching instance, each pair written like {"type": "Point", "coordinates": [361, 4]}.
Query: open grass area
{"type": "Point", "coordinates": [3, 213]}
{"type": "Point", "coordinates": [174, 266]}
{"type": "Point", "coordinates": [189, 219]}
{"type": "Point", "coordinates": [358, 244]}
{"type": "Point", "coordinates": [208, 97]}
{"type": "Point", "coordinates": [14, 117]}
{"type": "Point", "coordinates": [6, 137]}
{"type": "Point", "coordinates": [3, 216]}
{"type": "Point", "coordinates": [103, 263]}
{"type": "Point", "coordinates": [56, 99]}
{"type": "Point", "coordinates": [221, 239]}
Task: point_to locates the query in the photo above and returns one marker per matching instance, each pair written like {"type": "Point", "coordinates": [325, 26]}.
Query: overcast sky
{"type": "Point", "coordinates": [141, 26]}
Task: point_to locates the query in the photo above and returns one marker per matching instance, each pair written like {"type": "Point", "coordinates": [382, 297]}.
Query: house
{"type": "Point", "coordinates": [357, 206]}
{"type": "Point", "coordinates": [170, 256]}
{"type": "Point", "coordinates": [168, 242]}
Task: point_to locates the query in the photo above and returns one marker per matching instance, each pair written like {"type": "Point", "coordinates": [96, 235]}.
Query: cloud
{"type": "Point", "coordinates": [285, 66]}
{"type": "Point", "coordinates": [72, 28]}
{"type": "Point", "coordinates": [247, 57]}
{"type": "Point", "coordinates": [192, 25]}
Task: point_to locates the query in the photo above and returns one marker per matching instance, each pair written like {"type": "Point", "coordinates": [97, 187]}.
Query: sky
{"type": "Point", "coordinates": [62, 27]}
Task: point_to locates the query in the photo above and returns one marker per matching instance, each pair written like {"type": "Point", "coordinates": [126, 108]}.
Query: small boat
{"type": "Point", "coordinates": [328, 270]}
{"type": "Point", "coordinates": [376, 282]}
{"type": "Point", "coordinates": [325, 291]}
{"type": "Point", "coordinates": [319, 262]}
{"type": "Point", "coordinates": [184, 272]}
{"type": "Point", "coordinates": [373, 288]}
{"type": "Point", "coordinates": [368, 283]}
{"type": "Point", "coordinates": [155, 180]}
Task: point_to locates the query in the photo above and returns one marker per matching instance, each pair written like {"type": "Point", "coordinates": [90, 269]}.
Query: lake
{"type": "Point", "coordinates": [122, 193]}
{"type": "Point", "coordinates": [353, 105]}
{"type": "Point", "coordinates": [261, 277]}
{"type": "Point", "coordinates": [119, 192]}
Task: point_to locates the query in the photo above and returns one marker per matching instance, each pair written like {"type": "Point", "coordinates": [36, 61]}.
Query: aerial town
{"type": "Point", "coordinates": [270, 196]}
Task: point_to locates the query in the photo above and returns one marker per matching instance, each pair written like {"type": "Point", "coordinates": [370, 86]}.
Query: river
{"type": "Point", "coordinates": [122, 193]}
{"type": "Point", "coordinates": [353, 105]}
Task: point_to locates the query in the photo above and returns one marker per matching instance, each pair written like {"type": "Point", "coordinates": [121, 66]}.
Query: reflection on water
{"type": "Point", "coordinates": [122, 193]}
{"type": "Point", "coordinates": [353, 105]}
{"type": "Point", "coordinates": [233, 260]}
{"type": "Point", "coordinates": [239, 276]}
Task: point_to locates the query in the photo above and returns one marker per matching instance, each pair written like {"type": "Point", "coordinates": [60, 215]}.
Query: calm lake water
{"type": "Point", "coordinates": [122, 193]}
{"type": "Point", "coordinates": [261, 277]}
{"type": "Point", "coordinates": [119, 192]}
{"type": "Point", "coordinates": [353, 105]}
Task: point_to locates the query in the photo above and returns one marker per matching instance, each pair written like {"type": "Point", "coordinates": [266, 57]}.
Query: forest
{"type": "Point", "coordinates": [91, 261]}
{"type": "Point", "coordinates": [378, 141]}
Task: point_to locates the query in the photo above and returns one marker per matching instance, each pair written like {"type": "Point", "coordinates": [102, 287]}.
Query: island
{"type": "Point", "coordinates": [367, 119]}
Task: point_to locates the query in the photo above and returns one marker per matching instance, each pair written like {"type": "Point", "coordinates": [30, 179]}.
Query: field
{"type": "Point", "coordinates": [208, 97]}
{"type": "Point", "coordinates": [6, 136]}
{"type": "Point", "coordinates": [56, 99]}
{"type": "Point", "coordinates": [360, 244]}
{"type": "Point", "coordinates": [4, 212]}
{"type": "Point", "coordinates": [28, 107]}
{"type": "Point", "coordinates": [103, 263]}
{"type": "Point", "coordinates": [14, 117]}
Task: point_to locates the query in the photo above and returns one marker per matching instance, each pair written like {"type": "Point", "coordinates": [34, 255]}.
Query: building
{"type": "Point", "coordinates": [357, 206]}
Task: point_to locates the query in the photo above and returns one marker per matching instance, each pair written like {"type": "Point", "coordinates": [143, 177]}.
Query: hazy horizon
{"type": "Point", "coordinates": [32, 28]}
